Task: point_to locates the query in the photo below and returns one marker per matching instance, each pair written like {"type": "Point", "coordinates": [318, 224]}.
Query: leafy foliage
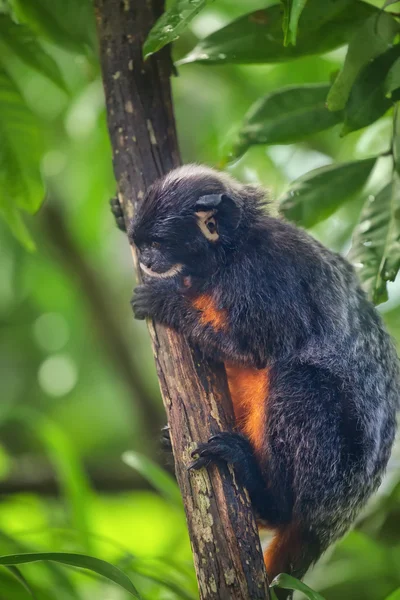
{"type": "Point", "coordinates": [258, 37]}
{"type": "Point", "coordinates": [171, 24]}
{"type": "Point", "coordinates": [379, 31]}
{"type": "Point", "coordinates": [333, 184]}
{"type": "Point", "coordinates": [20, 40]}
{"type": "Point", "coordinates": [21, 186]}
{"type": "Point", "coordinates": [376, 241]}
{"type": "Point", "coordinates": [291, 16]}
{"type": "Point", "coordinates": [288, 115]}
{"type": "Point", "coordinates": [81, 561]}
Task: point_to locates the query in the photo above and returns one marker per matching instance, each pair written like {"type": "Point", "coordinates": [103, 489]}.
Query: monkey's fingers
{"type": "Point", "coordinates": [199, 463]}
{"type": "Point", "coordinates": [166, 439]}
{"type": "Point", "coordinates": [116, 210]}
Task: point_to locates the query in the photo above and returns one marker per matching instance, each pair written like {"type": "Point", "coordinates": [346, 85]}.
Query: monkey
{"type": "Point", "coordinates": [312, 372]}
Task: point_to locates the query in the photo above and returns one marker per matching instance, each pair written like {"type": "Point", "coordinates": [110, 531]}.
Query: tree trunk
{"type": "Point", "coordinates": [223, 533]}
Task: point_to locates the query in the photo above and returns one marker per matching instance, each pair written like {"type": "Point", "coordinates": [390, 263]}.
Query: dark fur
{"type": "Point", "coordinates": [297, 307]}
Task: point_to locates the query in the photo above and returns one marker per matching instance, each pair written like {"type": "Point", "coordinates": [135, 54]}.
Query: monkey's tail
{"type": "Point", "coordinates": [293, 550]}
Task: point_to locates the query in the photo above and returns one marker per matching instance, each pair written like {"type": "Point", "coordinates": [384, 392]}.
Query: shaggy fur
{"type": "Point", "coordinates": [296, 308]}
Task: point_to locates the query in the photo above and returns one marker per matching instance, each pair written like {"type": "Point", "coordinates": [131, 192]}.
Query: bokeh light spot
{"type": "Point", "coordinates": [57, 375]}
{"type": "Point", "coordinates": [51, 331]}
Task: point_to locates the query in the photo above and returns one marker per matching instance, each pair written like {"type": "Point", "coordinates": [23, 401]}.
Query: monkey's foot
{"type": "Point", "coordinates": [116, 210]}
{"type": "Point", "coordinates": [223, 447]}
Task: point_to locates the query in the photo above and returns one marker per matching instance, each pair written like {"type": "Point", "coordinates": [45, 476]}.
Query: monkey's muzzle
{"type": "Point", "coordinates": [174, 270]}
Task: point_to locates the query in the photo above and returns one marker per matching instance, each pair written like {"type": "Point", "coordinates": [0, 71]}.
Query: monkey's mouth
{"type": "Point", "coordinates": [174, 270]}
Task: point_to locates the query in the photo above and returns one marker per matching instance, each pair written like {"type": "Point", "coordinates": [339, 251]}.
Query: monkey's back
{"type": "Point", "coordinates": [328, 369]}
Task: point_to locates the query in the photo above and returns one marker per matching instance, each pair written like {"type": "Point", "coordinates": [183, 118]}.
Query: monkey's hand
{"type": "Point", "coordinates": [156, 299]}
{"type": "Point", "coordinates": [144, 302]}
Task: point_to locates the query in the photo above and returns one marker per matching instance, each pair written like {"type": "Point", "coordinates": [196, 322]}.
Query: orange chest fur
{"type": "Point", "coordinates": [248, 386]}
{"type": "Point", "coordinates": [249, 392]}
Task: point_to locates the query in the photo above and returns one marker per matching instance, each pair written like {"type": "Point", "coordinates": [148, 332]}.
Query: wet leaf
{"type": "Point", "coordinates": [171, 24]}
{"type": "Point", "coordinates": [379, 30]}
{"type": "Point", "coordinates": [375, 248]}
{"type": "Point", "coordinates": [319, 193]}
{"type": "Point", "coordinates": [367, 101]}
{"type": "Point", "coordinates": [285, 116]}
{"type": "Point", "coordinates": [258, 37]}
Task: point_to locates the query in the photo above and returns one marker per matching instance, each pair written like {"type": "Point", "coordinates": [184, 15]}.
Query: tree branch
{"type": "Point", "coordinates": [225, 541]}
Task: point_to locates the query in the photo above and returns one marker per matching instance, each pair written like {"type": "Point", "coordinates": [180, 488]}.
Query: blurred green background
{"type": "Point", "coordinates": [78, 384]}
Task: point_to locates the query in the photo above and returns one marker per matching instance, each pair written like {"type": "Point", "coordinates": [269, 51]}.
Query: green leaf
{"type": "Point", "coordinates": [21, 185]}
{"type": "Point", "coordinates": [13, 218]}
{"type": "Point", "coordinates": [367, 101]}
{"type": "Point", "coordinates": [18, 575]}
{"type": "Point", "coordinates": [392, 81]}
{"type": "Point", "coordinates": [82, 561]}
{"type": "Point", "coordinates": [70, 474]}
{"type": "Point", "coordinates": [258, 37]}
{"type": "Point", "coordinates": [372, 38]}
{"type": "Point", "coordinates": [60, 579]}
{"type": "Point", "coordinates": [285, 116]}
{"type": "Point", "coordinates": [20, 149]}
{"type": "Point", "coordinates": [375, 250]}
{"type": "Point", "coordinates": [394, 596]}
{"type": "Point", "coordinates": [20, 40]}
{"type": "Point", "coordinates": [67, 23]}
{"type": "Point", "coordinates": [171, 24]}
{"type": "Point", "coordinates": [319, 193]}
{"type": "Point", "coordinates": [291, 583]}
{"type": "Point", "coordinates": [396, 138]}
{"type": "Point", "coordinates": [389, 2]}
{"type": "Point", "coordinates": [292, 12]}
{"type": "Point", "coordinates": [158, 478]}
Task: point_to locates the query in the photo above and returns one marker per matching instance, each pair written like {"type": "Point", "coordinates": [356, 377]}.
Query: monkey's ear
{"type": "Point", "coordinates": [209, 202]}
{"type": "Point", "coordinates": [223, 206]}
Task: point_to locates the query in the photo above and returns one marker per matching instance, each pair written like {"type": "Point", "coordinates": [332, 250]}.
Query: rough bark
{"type": "Point", "coordinates": [223, 533]}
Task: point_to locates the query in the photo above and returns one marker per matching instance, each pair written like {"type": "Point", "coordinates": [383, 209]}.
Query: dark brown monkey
{"type": "Point", "coordinates": [313, 375]}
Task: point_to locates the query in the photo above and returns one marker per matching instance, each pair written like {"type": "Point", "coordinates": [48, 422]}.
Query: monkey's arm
{"type": "Point", "coordinates": [195, 316]}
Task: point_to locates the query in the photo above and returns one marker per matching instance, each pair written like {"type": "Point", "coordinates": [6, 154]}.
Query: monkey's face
{"type": "Point", "coordinates": [185, 225]}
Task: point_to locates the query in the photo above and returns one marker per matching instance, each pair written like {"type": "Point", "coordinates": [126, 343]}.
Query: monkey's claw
{"type": "Point", "coordinates": [222, 447]}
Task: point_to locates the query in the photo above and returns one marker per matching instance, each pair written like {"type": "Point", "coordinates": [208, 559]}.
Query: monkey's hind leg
{"type": "Point", "coordinates": [235, 449]}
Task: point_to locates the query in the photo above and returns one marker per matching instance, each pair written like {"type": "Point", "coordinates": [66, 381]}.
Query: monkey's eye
{"type": "Point", "coordinates": [156, 245]}
{"type": "Point", "coordinates": [211, 225]}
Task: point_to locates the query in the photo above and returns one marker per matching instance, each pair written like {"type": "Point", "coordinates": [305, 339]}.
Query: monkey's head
{"type": "Point", "coordinates": [191, 220]}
